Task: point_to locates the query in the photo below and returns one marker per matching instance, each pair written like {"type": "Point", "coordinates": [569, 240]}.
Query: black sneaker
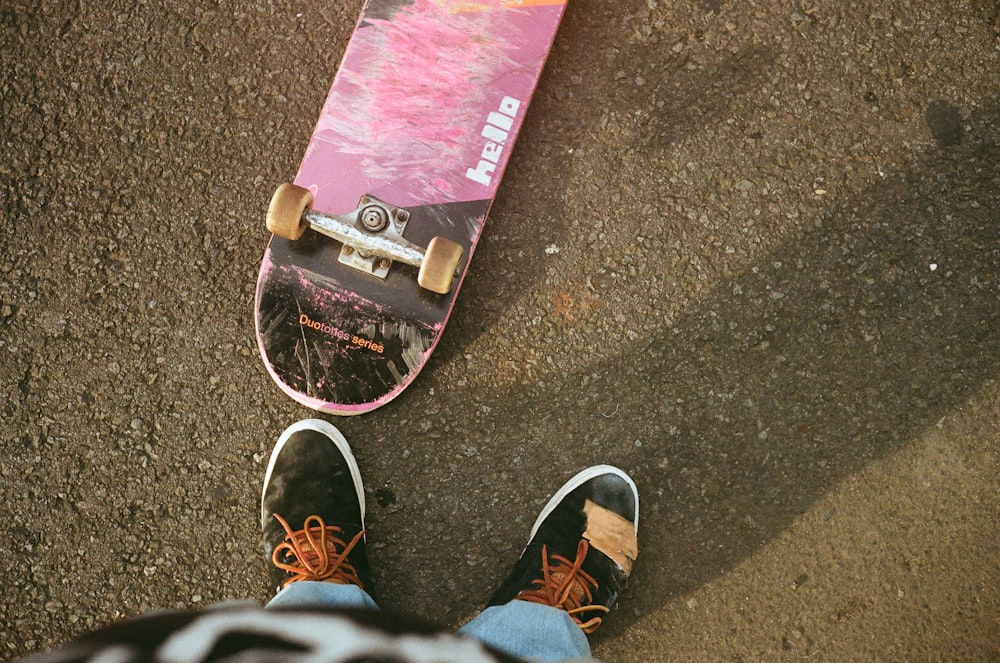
{"type": "Point", "coordinates": [312, 509]}
{"type": "Point", "coordinates": [581, 548]}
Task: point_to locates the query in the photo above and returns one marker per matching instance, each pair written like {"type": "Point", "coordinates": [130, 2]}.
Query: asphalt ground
{"type": "Point", "coordinates": [747, 251]}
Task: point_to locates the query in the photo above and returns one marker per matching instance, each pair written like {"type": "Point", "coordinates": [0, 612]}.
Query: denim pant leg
{"type": "Point", "coordinates": [529, 630]}
{"type": "Point", "coordinates": [312, 594]}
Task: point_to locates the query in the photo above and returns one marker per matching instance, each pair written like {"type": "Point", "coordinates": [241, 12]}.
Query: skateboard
{"type": "Point", "coordinates": [372, 240]}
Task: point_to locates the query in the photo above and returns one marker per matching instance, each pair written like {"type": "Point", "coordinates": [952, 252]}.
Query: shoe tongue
{"type": "Point", "coordinates": [578, 591]}
{"type": "Point", "coordinates": [612, 534]}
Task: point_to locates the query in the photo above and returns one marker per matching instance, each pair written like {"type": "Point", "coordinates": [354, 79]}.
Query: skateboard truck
{"type": "Point", "coordinates": [372, 237]}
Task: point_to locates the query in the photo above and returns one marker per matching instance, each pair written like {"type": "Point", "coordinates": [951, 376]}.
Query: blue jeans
{"type": "Point", "coordinates": [519, 628]}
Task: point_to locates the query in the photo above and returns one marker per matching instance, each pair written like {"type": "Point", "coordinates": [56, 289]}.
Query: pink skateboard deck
{"type": "Point", "coordinates": [421, 119]}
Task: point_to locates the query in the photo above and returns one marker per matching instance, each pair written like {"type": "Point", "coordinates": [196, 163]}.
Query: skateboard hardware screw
{"type": "Point", "coordinates": [374, 218]}
{"type": "Point", "coordinates": [383, 263]}
{"type": "Point", "coordinates": [402, 215]}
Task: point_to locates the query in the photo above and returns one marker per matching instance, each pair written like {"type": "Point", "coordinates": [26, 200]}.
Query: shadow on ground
{"type": "Point", "coordinates": [527, 215]}
{"type": "Point", "coordinates": [826, 355]}
{"type": "Point", "coordinates": [137, 411]}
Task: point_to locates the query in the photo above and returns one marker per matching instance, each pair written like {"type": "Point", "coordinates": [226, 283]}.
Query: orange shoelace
{"type": "Point", "coordinates": [565, 585]}
{"type": "Point", "coordinates": [315, 552]}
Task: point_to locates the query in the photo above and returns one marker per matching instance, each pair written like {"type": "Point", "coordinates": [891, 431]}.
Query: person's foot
{"type": "Point", "coordinates": [313, 509]}
{"type": "Point", "coordinates": [581, 548]}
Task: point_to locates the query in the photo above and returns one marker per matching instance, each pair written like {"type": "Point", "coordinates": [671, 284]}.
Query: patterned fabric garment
{"type": "Point", "coordinates": [253, 634]}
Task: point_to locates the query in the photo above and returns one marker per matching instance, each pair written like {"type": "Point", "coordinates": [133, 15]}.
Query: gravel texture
{"type": "Point", "coordinates": [748, 251]}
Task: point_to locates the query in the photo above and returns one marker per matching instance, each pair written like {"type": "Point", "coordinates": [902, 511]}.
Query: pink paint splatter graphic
{"type": "Point", "coordinates": [409, 103]}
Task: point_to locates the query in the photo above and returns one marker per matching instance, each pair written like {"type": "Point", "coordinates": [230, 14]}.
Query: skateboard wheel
{"type": "Point", "coordinates": [284, 214]}
{"type": "Point", "coordinates": [437, 271]}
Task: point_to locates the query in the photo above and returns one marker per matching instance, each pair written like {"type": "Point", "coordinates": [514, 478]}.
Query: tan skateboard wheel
{"type": "Point", "coordinates": [284, 214]}
{"type": "Point", "coordinates": [437, 271]}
